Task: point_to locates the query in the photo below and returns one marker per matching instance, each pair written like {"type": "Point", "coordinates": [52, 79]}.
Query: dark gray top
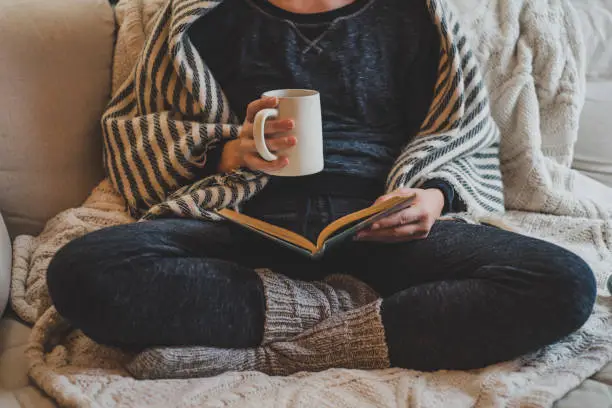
{"type": "Point", "coordinates": [374, 63]}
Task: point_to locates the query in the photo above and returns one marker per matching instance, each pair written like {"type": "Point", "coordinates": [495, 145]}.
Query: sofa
{"type": "Point", "coordinates": [55, 79]}
{"type": "Point", "coordinates": [593, 154]}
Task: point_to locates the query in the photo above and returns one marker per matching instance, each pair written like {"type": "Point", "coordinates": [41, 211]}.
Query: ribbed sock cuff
{"type": "Point", "coordinates": [353, 339]}
{"type": "Point", "coordinates": [349, 292]}
{"type": "Point", "coordinates": [292, 306]}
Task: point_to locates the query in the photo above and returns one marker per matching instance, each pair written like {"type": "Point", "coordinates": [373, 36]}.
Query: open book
{"type": "Point", "coordinates": [337, 231]}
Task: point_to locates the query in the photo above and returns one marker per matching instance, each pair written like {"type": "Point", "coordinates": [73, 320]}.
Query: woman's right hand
{"type": "Point", "coordinates": [242, 151]}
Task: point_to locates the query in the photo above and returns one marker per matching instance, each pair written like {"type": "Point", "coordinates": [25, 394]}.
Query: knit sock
{"type": "Point", "coordinates": [294, 306]}
{"type": "Point", "coordinates": [352, 339]}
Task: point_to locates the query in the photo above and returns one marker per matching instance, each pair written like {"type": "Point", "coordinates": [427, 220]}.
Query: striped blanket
{"type": "Point", "coordinates": [170, 112]}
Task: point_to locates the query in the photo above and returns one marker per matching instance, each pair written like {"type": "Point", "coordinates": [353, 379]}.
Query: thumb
{"type": "Point", "coordinates": [402, 191]}
{"type": "Point", "coordinates": [383, 198]}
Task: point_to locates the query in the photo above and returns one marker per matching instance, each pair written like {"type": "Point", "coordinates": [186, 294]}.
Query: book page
{"type": "Point", "coordinates": [267, 228]}
{"type": "Point", "coordinates": [341, 222]}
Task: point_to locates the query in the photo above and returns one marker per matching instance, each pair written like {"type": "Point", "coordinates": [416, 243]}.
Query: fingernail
{"type": "Point", "coordinates": [291, 141]}
{"type": "Point", "coordinates": [291, 123]}
{"type": "Point", "coordinates": [375, 226]}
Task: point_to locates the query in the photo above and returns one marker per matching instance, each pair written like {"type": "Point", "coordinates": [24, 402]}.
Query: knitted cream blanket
{"type": "Point", "coordinates": [532, 61]}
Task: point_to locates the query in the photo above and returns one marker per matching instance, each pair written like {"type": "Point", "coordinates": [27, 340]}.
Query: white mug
{"type": "Point", "coordinates": [304, 107]}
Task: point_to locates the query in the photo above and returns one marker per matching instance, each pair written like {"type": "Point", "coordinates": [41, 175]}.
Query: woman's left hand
{"type": "Point", "coordinates": [414, 222]}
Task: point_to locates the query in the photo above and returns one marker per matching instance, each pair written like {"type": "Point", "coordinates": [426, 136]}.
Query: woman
{"type": "Point", "coordinates": [413, 291]}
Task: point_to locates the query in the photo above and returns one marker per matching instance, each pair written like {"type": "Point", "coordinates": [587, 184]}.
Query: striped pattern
{"type": "Point", "coordinates": [170, 112]}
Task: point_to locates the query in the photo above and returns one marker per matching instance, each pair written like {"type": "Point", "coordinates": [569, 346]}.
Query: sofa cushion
{"type": "Point", "coordinates": [593, 150]}
{"type": "Point", "coordinates": [595, 18]}
{"type": "Point", "coordinates": [55, 70]}
{"type": "Point", "coordinates": [16, 390]}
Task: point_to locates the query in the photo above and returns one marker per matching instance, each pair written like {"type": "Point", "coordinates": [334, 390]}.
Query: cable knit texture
{"type": "Point", "coordinates": [294, 306]}
{"type": "Point", "coordinates": [531, 57]}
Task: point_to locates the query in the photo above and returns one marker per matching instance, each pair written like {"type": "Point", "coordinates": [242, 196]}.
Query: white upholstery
{"type": "Point", "coordinates": [593, 155]}
{"type": "Point", "coordinates": [5, 265]}
{"type": "Point", "coordinates": [596, 23]}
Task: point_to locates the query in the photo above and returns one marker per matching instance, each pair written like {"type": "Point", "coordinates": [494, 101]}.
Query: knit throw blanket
{"type": "Point", "coordinates": [532, 63]}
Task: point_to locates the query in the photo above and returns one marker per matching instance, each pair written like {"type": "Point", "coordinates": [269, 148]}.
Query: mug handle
{"type": "Point", "coordinates": [259, 135]}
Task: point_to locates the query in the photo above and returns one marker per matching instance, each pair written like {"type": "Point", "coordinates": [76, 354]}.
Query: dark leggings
{"type": "Point", "coordinates": [465, 297]}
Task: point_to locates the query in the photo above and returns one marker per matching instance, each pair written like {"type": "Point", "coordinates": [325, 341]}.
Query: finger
{"type": "Point", "coordinates": [281, 143]}
{"type": "Point", "coordinates": [271, 127]}
{"type": "Point", "coordinates": [396, 234]}
{"type": "Point", "coordinates": [407, 216]}
{"type": "Point", "coordinates": [254, 162]}
{"type": "Point", "coordinates": [383, 198]}
{"type": "Point", "coordinates": [258, 105]}
{"type": "Point", "coordinates": [273, 145]}
{"type": "Point", "coordinates": [277, 126]}
{"type": "Point", "coordinates": [402, 191]}
{"type": "Point", "coordinates": [246, 131]}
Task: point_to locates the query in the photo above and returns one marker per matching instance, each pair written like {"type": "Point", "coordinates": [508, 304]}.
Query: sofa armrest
{"type": "Point", "coordinates": [55, 75]}
{"type": "Point", "coordinates": [5, 266]}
